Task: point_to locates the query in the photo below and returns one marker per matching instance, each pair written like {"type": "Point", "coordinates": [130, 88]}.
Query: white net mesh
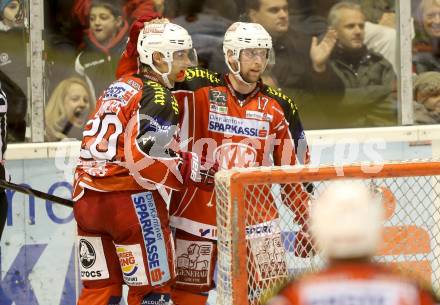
{"type": "Point", "coordinates": [276, 246]}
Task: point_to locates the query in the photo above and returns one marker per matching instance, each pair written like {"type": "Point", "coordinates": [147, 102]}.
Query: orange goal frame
{"type": "Point", "coordinates": [240, 178]}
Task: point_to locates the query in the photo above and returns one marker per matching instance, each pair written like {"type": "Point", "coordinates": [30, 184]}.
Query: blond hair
{"type": "Point", "coordinates": [55, 112]}
{"type": "Point", "coordinates": [427, 84]}
{"type": "Point", "coordinates": [424, 4]}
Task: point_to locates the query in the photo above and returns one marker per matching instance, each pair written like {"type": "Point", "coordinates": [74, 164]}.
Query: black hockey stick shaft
{"type": "Point", "coordinates": [31, 192]}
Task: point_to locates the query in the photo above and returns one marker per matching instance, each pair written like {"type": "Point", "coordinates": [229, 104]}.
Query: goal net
{"type": "Point", "coordinates": [261, 214]}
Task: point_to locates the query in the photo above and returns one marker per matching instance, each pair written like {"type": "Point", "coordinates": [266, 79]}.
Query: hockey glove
{"type": "Point", "coordinates": [196, 170]}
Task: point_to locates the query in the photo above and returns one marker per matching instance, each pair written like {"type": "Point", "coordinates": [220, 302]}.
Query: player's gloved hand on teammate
{"type": "Point", "coordinates": [197, 170]}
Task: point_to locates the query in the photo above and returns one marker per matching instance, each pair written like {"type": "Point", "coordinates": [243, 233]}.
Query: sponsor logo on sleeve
{"type": "Point", "coordinates": [193, 262]}
{"type": "Point", "coordinates": [257, 115]}
{"type": "Point", "coordinates": [238, 127]}
{"type": "Point", "coordinates": [132, 264]}
{"type": "Point", "coordinates": [217, 101]}
{"type": "Point", "coordinates": [119, 91]}
{"type": "Point", "coordinates": [155, 244]}
{"type": "Point", "coordinates": [92, 260]}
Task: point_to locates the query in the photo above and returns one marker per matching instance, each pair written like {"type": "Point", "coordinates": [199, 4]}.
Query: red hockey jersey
{"type": "Point", "coordinates": [356, 283]}
{"type": "Point", "coordinates": [128, 142]}
{"type": "Point", "coordinates": [263, 129]}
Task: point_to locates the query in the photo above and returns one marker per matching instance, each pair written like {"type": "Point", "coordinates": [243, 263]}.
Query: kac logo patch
{"type": "Point", "coordinates": [87, 254]}
{"type": "Point", "coordinates": [93, 265]}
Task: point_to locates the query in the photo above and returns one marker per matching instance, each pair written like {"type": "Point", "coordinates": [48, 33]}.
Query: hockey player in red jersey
{"type": "Point", "coordinates": [346, 223]}
{"type": "Point", "coordinates": [128, 155]}
{"type": "Point", "coordinates": [236, 121]}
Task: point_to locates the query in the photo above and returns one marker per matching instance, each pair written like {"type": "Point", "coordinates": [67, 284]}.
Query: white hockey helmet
{"type": "Point", "coordinates": [246, 35]}
{"type": "Point", "coordinates": [346, 220]}
{"type": "Point", "coordinates": [166, 38]}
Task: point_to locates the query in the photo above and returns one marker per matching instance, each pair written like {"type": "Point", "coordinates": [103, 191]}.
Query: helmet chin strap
{"type": "Point", "coordinates": [237, 73]}
{"type": "Point", "coordinates": [164, 75]}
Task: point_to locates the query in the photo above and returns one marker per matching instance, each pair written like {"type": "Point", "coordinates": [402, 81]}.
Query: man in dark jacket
{"type": "Point", "coordinates": [368, 77]}
{"type": "Point", "coordinates": [103, 45]}
{"type": "Point", "coordinates": [301, 62]}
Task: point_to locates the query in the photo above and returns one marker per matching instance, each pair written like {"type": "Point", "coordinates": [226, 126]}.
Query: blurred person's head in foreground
{"type": "Point", "coordinates": [346, 221]}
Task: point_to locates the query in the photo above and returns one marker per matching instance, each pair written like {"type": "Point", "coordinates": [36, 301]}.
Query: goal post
{"type": "Point", "coordinates": [260, 232]}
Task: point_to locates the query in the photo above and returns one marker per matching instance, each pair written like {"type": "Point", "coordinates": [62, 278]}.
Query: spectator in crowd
{"type": "Point", "coordinates": [426, 55]}
{"type": "Point", "coordinates": [227, 9]}
{"type": "Point", "coordinates": [132, 9]}
{"type": "Point", "coordinates": [13, 41]}
{"type": "Point", "coordinates": [16, 115]}
{"type": "Point", "coordinates": [310, 64]}
{"type": "Point", "coordinates": [63, 37]}
{"type": "Point", "coordinates": [159, 7]}
{"type": "Point", "coordinates": [427, 98]}
{"type": "Point", "coordinates": [310, 17]}
{"type": "Point", "coordinates": [346, 224]}
{"type": "Point", "coordinates": [103, 45]}
{"type": "Point", "coordinates": [368, 77]}
{"type": "Point", "coordinates": [380, 28]}
{"type": "Point", "coordinates": [12, 14]}
{"type": "Point", "coordinates": [301, 62]}
{"type": "Point", "coordinates": [206, 26]}
{"type": "Point", "coordinates": [67, 110]}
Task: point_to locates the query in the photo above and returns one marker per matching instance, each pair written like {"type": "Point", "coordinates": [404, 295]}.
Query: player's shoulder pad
{"type": "Point", "coordinates": [123, 89]}
{"type": "Point", "coordinates": [284, 100]}
{"type": "Point", "coordinates": [156, 93]}
{"type": "Point", "coordinates": [198, 77]}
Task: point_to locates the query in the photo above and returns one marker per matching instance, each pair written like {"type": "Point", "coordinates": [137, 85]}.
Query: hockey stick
{"type": "Point", "coordinates": [31, 192]}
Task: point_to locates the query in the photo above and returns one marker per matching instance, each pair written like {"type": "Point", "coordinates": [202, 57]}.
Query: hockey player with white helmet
{"type": "Point", "coordinates": [175, 46]}
{"type": "Point", "coordinates": [236, 120]}
{"type": "Point", "coordinates": [347, 226]}
{"type": "Point", "coordinates": [232, 120]}
{"type": "Point", "coordinates": [247, 40]}
{"type": "Point", "coordinates": [128, 154]}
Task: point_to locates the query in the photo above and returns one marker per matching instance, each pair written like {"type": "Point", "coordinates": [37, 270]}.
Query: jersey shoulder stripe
{"type": "Point", "coordinates": [160, 96]}
{"type": "Point", "coordinates": [286, 102]}
{"type": "Point", "coordinates": [196, 78]}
